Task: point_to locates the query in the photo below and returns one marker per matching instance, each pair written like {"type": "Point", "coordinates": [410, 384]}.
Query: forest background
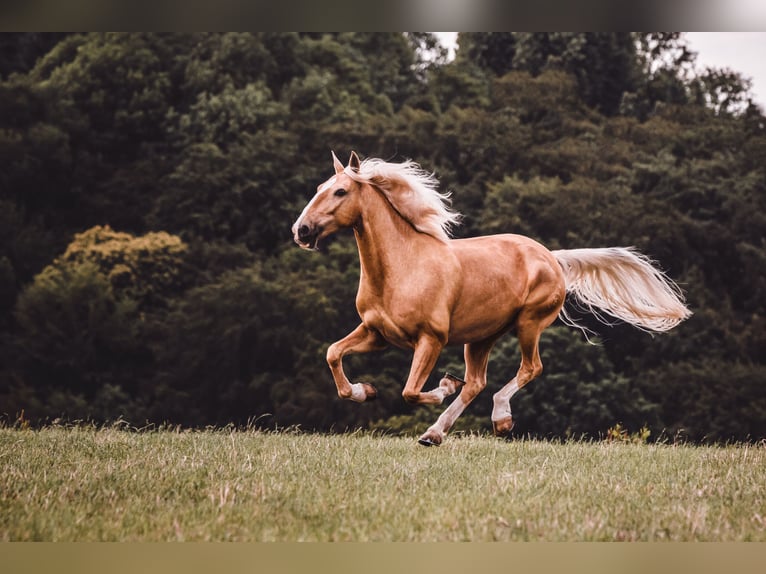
{"type": "Point", "coordinates": [148, 183]}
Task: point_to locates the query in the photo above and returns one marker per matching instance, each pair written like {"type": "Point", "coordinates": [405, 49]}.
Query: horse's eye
{"type": "Point", "coordinates": [340, 192]}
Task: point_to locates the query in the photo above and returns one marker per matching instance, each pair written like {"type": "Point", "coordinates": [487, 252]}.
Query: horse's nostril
{"type": "Point", "coordinates": [303, 231]}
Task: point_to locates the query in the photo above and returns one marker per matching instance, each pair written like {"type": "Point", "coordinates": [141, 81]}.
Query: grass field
{"type": "Point", "coordinates": [86, 484]}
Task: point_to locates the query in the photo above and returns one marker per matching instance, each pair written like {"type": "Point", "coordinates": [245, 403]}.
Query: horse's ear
{"type": "Point", "coordinates": [353, 161]}
{"type": "Point", "coordinates": [336, 163]}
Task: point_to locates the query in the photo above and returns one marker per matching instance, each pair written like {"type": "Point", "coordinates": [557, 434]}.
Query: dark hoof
{"type": "Point", "coordinates": [428, 442]}
{"type": "Point", "coordinates": [503, 427]}
{"type": "Point", "coordinates": [430, 439]}
{"type": "Point", "coordinates": [460, 382]}
{"type": "Point", "coordinates": [372, 392]}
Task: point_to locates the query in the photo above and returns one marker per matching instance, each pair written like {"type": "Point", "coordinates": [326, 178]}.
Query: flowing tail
{"type": "Point", "coordinates": [623, 283]}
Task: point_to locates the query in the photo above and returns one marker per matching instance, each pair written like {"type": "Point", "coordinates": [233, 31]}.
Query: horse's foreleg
{"type": "Point", "coordinates": [424, 359]}
{"type": "Point", "coordinates": [476, 359]}
{"type": "Point", "coordinates": [360, 340]}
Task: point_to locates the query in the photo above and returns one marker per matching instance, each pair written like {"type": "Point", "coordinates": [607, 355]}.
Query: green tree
{"type": "Point", "coordinates": [604, 64]}
{"type": "Point", "coordinates": [147, 269]}
{"type": "Point", "coordinates": [19, 51]}
{"type": "Point", "coordinates": [82, 325]}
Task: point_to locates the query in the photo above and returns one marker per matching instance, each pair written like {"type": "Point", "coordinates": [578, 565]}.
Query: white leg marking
{"type": "Point", "coordinates": [447, 387]}
{"type": "Point", "coordinates": [502, 401]}
{"type": "Point", "coordinates": [449, 416]}
{"type": "Point", "coordinates": [357, 393]}
{"type": "Point", "coordinates": [440, 392]}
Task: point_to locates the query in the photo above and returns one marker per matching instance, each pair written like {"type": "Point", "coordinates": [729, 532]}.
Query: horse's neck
{"type": "Point", "coordinates": [387, 243]}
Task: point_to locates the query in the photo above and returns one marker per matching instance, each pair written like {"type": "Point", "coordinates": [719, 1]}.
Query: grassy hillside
{"type": "Point", "coordinates": [79, 484]}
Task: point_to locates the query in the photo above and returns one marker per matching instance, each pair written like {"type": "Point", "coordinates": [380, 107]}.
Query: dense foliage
{"type": "Point", "coordinates": [148, 183]}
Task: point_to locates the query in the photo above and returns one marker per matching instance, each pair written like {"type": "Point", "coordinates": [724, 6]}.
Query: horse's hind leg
{"type": "Point", "coordinates": [476, 359]}
{"type": "Point", "coordinates": [528, 333]}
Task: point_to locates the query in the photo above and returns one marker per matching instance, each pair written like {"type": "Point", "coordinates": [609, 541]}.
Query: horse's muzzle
{"type": "Point", "coordinates": [307, 236]}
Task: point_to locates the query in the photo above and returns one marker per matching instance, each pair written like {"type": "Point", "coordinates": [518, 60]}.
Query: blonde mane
{"type": "Point", "coordinates": [412, 192]}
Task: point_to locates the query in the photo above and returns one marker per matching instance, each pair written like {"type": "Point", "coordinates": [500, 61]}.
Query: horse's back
{"type": "Point", "coordinates": [497, 254]}
{"type": "Point", "coordinates": [502, 275]}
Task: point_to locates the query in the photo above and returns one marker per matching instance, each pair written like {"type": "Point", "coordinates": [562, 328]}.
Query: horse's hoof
{"type": "Point", "coordinates": [370, 391]}
{"type": "Point", "coordinates": [430, 439]}
{"type": "Point", "coordinates": [503, 427]}
{"type": "Point", "coordinates": [428, 442]}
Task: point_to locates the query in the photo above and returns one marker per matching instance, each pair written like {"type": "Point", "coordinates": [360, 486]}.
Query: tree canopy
{"type": "Point", "coordinates": [148, 183]}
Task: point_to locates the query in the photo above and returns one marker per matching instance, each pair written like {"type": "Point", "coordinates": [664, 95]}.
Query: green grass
{"type": "Point", "coordinates": [83, 484]}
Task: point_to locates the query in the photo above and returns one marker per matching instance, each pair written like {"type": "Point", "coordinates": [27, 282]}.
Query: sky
{"type": "Point", "coordinates": [743, 52]}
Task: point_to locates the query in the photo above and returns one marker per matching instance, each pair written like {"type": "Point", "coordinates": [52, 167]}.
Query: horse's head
{"type": "Point", "coordinates": [335, 206]}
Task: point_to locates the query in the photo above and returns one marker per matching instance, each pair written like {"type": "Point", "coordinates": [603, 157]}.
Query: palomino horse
{"type": "Point", "coordinates": [421, 290]}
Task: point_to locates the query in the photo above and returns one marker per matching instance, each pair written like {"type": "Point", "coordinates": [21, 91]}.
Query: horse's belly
{"type": "Point", "coordinates": [482, 320]}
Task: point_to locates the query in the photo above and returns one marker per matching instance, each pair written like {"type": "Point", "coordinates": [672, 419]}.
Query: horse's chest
{"type": "Point", "coordinates": [393, 320]}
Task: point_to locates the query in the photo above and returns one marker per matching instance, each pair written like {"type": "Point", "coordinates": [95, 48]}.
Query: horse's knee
{"type": "Point", "coordinates": [411, 396]}
{"type": "Point", "coordinates": [333, 356]}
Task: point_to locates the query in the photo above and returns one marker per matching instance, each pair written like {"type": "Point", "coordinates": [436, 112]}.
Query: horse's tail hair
{"type": "Point", "coordinates": [624, 284]}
